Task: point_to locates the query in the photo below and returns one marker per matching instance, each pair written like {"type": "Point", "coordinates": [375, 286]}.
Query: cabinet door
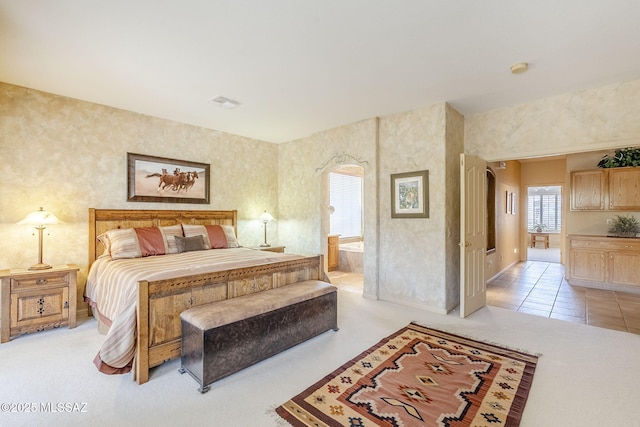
{"type": "Point", "coordinates": [587, 265]}
{"type": "Point", "coordinates": [624, 189]}
{"type": "Point", "coordinates": [623, 268]}
{"type": "Point", "coordinates": [30, 309]}
{"type": "Point", "coordinates": [333, 254]}
{"type": "Point", "coordinates": [588, 190]}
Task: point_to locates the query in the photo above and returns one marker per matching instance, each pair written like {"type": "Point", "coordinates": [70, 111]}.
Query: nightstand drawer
{"type": "Point", "coordinates": [39, 281]}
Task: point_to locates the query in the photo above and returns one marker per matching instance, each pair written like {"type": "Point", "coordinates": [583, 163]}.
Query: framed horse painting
{"type": "Point", "coordinates": [158, 179]}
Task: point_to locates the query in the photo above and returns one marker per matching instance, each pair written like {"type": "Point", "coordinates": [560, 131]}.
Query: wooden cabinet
{"type": "Point", "coordinates": [333, 254]}
{"type": "Point", "coordinates": [37, 300]}
{"type": "Point", "coordinates": [588, 190]}
{"type": "Point", "coordinates": [623, 268]}
{"type": "Point", "coordinates": [624, 189]}
{"type": "Point", "coordinates": [615, 189]}
{"type": "Point", "coordinates": [604, 262]}
{"type": "Point", "coordinates": [585, 264]}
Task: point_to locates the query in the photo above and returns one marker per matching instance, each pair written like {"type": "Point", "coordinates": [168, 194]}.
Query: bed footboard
{"type": "Point", "coordinates": [161, 302]}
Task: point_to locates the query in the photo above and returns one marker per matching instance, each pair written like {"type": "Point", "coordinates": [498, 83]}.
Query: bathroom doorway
{"type": "Point", "coordinates": [346, 220]}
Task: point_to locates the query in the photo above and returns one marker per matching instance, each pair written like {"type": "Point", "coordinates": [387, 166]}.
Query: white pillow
{"type": "Point", "coordinates": [121, 243]}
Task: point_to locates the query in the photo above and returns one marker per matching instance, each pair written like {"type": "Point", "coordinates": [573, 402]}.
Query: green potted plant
{"type": "Point", "coordinates": [622, 157]}
{"type": "Point", "coordinates": [625, 226]}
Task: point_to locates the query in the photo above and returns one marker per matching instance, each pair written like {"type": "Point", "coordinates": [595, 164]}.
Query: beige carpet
{"type": "Point", "coordinates": [586, 376]}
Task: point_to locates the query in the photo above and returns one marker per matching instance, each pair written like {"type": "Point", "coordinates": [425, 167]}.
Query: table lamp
{"type": "Point", "coordinates": [265, 218]}
{"type": "Point", "coordinates": [40, 219]}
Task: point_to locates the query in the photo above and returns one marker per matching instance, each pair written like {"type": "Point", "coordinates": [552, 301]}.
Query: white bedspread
{"type": "Point", "coordinates": [112, 289]}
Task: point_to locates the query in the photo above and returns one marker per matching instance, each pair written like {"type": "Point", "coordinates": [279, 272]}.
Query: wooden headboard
{"type": "Point", "coordinates": [101, 220]}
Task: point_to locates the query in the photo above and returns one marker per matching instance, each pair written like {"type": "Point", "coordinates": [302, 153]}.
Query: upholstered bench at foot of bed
{"type": "Point", "coordinates": [221, 338]}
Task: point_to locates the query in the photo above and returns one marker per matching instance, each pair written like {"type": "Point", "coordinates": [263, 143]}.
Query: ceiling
{"type": "Point", "coordinates": [302, 66]}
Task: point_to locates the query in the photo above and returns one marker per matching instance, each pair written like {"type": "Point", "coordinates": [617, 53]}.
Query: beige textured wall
{"type": "Point", "coordinates": [454, 147]}
{"type": "Point", "coordinates": [603, 118]}
{"type": "Point", "coordinates": [68, 155]}
{"type": "Point", "coordinates": [412, 255]}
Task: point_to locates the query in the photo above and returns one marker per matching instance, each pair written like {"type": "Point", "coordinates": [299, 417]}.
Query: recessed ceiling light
{"type": "Point", "coordinates": [519, 68]}
{"type": "Point", "coordinates": [224, 102]}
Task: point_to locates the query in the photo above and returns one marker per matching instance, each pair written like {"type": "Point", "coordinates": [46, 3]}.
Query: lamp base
{"type": "Point", "coordinates": [40, 266]}
{"type": "Point", "coordinates": [265, 245]}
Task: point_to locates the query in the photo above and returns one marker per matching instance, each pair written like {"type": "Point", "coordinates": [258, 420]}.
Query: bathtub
{"type": "Point", "coordinates": [350, 257]}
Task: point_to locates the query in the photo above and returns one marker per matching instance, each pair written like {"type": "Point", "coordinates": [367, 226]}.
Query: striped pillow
{"type": "Point", "coordinates": [230, 232]}
{"type": "Point", "coordinates": [170, 233]}
{"type": "Point", "coordinates": [121, 243]}
{"type": "Point", "coordinates": [140, 242]}
{"type": "Point", "coordinates": [151, 241]}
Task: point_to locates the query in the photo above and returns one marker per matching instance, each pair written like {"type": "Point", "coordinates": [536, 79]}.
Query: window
{"type": "Point", "coordinates": [346, 200]}
{"type": "Point", "coordinates": [545, 207]}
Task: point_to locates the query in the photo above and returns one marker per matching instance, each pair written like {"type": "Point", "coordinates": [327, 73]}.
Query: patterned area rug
{"type": "Point", "coordinates": [420, 377]}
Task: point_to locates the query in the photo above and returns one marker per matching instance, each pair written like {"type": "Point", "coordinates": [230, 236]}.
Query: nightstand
{"type": "Point", "coordinates": [271, 248]}
{"type": "Point", "coordinates": [33, 301]}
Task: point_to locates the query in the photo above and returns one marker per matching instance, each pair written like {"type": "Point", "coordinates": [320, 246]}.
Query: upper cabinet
{"type": "Point", "coordinates": [624, 189]}
{"type": "Point", "coordinates": [614, 189]}
{"type": "Point", "coordinates": [588, 190]}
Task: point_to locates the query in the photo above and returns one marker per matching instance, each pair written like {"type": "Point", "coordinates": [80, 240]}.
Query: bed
{"type": "Point", "coordinates": [140, 298]}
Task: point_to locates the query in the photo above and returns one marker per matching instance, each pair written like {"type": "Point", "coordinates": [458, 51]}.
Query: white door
{"type": "Point", "coordinates": [473, 233]}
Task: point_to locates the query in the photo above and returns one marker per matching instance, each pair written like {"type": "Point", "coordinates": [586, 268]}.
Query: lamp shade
{"type": "Point", "coordinates": [40, 218]}
{"type": "Point", "coordinates": [266, 217]}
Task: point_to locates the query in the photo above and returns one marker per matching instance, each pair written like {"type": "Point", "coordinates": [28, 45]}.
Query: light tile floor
{"type": "Point", "coordinates": [539, 288]}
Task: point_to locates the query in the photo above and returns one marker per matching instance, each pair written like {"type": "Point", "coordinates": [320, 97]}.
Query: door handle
{"type": "Point", "coordinates": [465, 244]}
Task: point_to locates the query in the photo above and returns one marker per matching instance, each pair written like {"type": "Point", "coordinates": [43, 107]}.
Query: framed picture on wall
{"type": "Point", "coordinates": [159, 179]}
{"type": "Point", "coordinates": [410, 195]}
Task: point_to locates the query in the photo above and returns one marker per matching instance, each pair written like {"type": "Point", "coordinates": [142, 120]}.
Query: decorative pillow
{"type": "Point", "coordinates": [169, 233]}
{"type": "Point", "coordinates": [121, 243]}
{"type": "Point", "coordinates": [197, 230]}
{"type": "Point", "coordinates": [230, 233]}
{"type": "Point", "coordinates": [150, 240]}
{"type": "Point", "coordinates": [215, 236]}
{"type": "Point", "coordinates": [193, 243]}
{"type": "Point", "coordinates": [105, 244]}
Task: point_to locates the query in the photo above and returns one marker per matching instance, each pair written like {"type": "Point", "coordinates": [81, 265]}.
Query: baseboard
{"type": "Point", "coordinates": [632, 289]}
{"type": "Point", "coordinates": [495, 276]}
